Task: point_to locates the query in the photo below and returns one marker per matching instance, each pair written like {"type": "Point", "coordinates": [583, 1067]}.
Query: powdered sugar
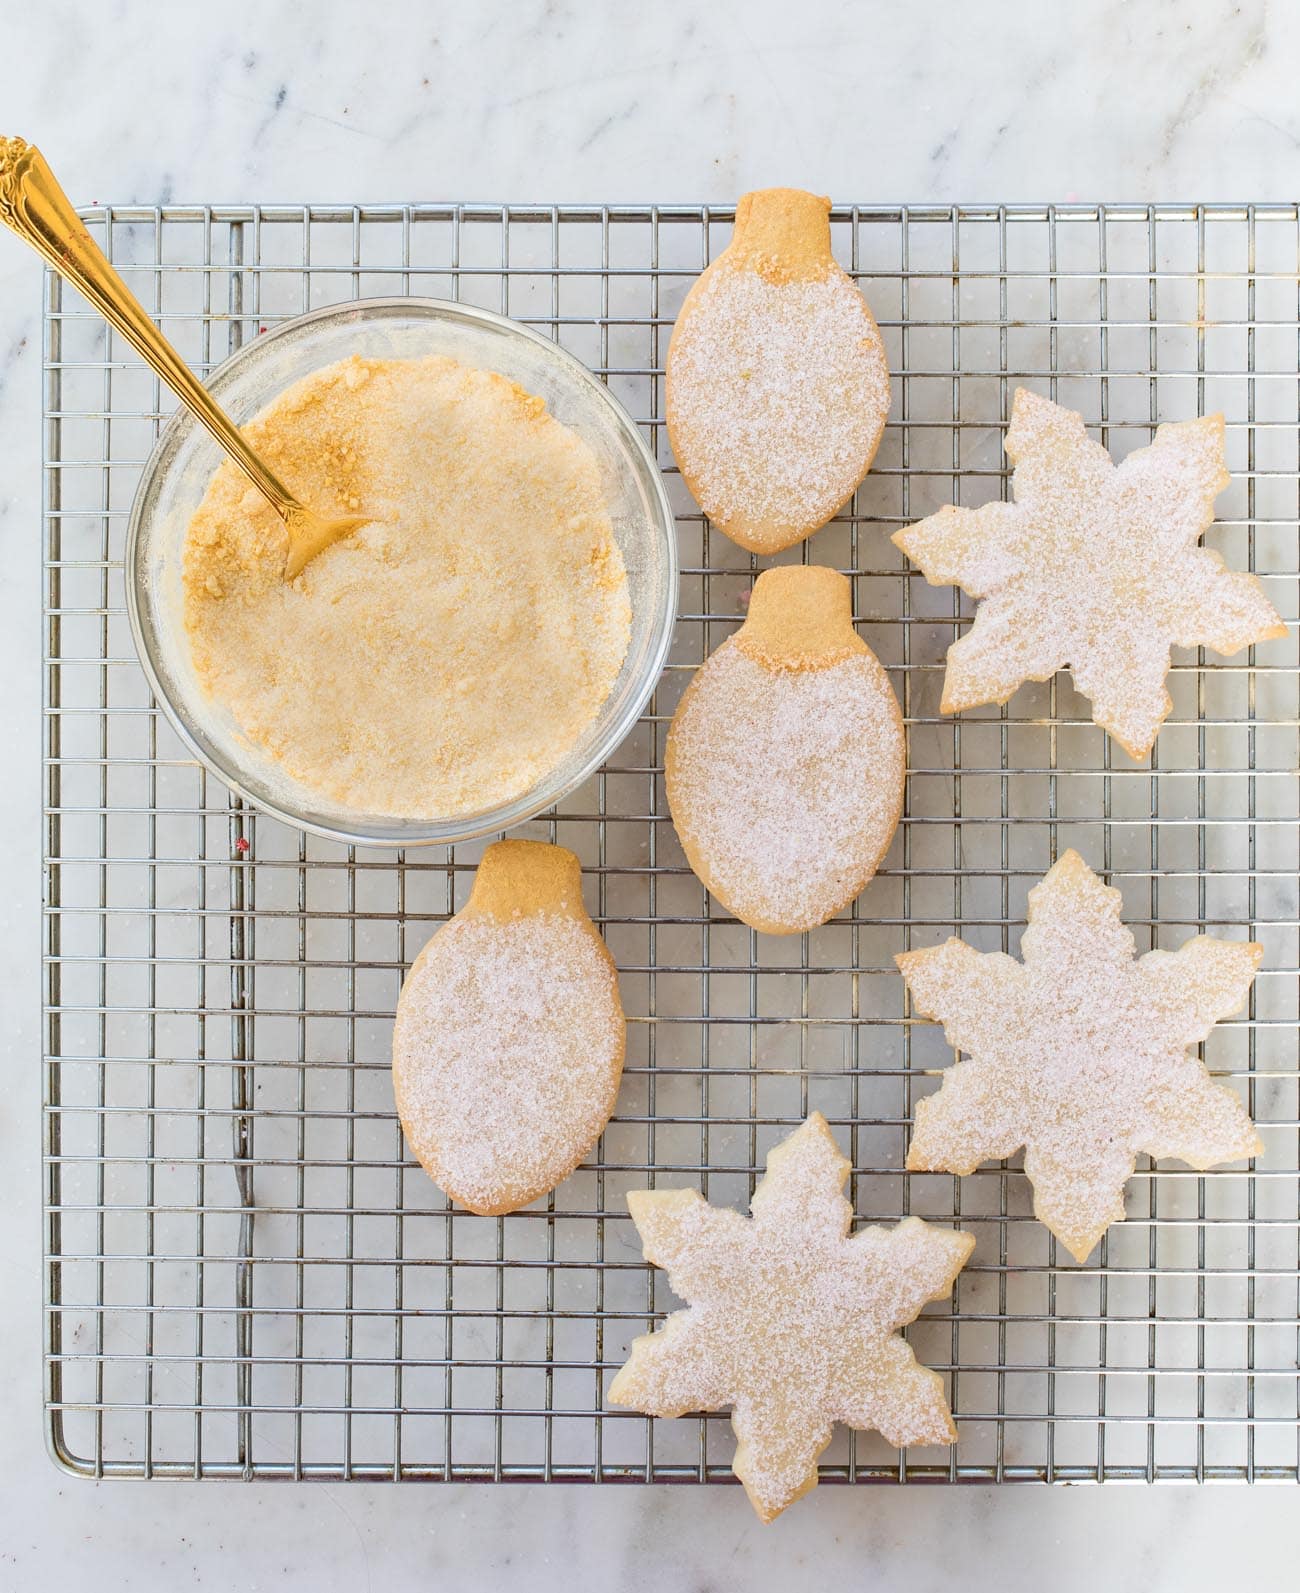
{"type": "Point", "coordinates": [791, 1322]}
{"type": "Point", "coordinates": [777, 395]}
{"type": "Point", "coordinates": [1079, 1053]}
{"type": "Point", "coordinates": [785, 785]}
{"type": "Point", "coordinates": [1093, 567]}
{"type": "Point", "coordinates": [506, 1055]}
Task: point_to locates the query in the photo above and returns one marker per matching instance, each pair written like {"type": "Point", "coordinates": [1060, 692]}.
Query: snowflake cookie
{"type": "Point", "coordinates": [1095, 567]}
{"type": "Point", "coordinates": [791, 1322]}
{"type": "Point", "coordinates": [1079, 1053]}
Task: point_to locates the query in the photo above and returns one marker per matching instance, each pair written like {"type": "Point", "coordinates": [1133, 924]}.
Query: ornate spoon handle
{"type": "Point", "coordinates": [36, 208]}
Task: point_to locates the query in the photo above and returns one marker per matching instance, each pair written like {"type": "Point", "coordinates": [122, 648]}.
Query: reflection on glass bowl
{"type": "Point", "coordinates": [178, 473]}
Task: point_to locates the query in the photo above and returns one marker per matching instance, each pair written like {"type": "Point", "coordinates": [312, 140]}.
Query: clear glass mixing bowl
{"type": "Point", "coordinates": [179, 470]}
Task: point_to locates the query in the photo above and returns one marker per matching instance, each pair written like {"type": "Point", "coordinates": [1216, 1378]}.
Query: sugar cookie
{"type": "Point", "coordinates": [790, 1321]}
{"type": "Point", "coordinates": [1080, 1053]}
{"type": "Point", "coordinates": [785, 758]}
{"type": "Point", "coordinates": [509, 1039]}
{"type": "Point", "coordinates": [777, 387]}
{"type": "Point", "coordinates": [1093, 567]}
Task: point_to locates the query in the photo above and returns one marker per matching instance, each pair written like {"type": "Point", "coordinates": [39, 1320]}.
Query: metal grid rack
{"type": "Point", "coordinates": [247, 1277]}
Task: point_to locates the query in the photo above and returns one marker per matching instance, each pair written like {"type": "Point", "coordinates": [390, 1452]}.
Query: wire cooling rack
{"type": "Point", "coordinates": [248, 1277]}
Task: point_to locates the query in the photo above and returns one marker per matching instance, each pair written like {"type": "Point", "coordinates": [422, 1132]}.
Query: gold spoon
{"type": "Point", "coordinates": [33, 204]}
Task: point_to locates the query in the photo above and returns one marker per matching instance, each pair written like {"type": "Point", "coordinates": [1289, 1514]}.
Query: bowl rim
{"type": "Point", "coordinates": [403, 833]}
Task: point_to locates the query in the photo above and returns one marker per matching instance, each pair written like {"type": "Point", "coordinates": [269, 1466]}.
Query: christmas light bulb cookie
{"type": "Point", "coordinates": [777, 387]}
{"type": "Point", "coordinates": [785, 758]}
{"type": "Point", "coordinates": [509, 1040]}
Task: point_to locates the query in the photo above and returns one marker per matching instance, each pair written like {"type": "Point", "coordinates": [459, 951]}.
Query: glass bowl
{"type": "Point", "coordinates": [177, 474]}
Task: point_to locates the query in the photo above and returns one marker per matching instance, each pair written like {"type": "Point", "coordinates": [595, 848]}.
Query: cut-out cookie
{"type": "Point", "coordinates": [1094, 567]}
{"type": "Point", "coordinates": [790, 1321]}
{"type": "Point", "coordinates": [1079, 1053]}
{"type": "Point", "coordinates": [777, 387]}
{"type": "Point", "coordinates": [509, 1039]}
{"type": "Point", "coordinates": [785, 759]}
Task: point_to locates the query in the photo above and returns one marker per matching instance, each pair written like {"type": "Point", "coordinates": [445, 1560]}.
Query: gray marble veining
{"type": "Point", "coordinates": [339, 101]}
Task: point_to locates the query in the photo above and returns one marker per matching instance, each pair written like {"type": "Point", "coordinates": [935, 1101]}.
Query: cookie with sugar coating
{"type": "Point", "coordinates": [509, 1040]}
{"type": "Point", "coordinates": [786, 756]}
{"type": "Point", "coordinates": [1095, 566]}
{"type": "Point", "coordinates": [777, 385]}
{"type": "Point", "coordinates": [1081, 1053]}
{"type": "Point", "coordinates": [791, 1321]}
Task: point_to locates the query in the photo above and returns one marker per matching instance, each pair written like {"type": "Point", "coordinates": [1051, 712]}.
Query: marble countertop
{"type": "Point", "coordinates": [573, 102]}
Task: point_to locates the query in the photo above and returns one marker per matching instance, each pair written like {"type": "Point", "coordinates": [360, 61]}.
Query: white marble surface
{"type": "Point", "coordinates": [955, 99]}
